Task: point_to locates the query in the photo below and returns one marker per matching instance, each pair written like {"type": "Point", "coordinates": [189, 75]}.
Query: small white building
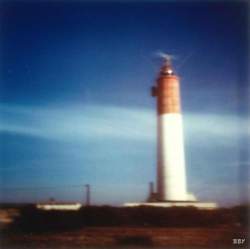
{"type": "Point", "coordinates": [59, 206]}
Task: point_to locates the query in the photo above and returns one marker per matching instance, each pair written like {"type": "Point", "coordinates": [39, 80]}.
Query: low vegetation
{"type": "Point", "coordinates": [34, 220]}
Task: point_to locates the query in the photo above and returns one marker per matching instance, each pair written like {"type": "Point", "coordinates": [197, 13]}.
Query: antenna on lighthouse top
{"type": "Point", "coordinates": [167, 67]}
{"type": "Point", "coordinates": [166, 57]}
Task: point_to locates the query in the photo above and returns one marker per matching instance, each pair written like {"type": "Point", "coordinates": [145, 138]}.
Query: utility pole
{"type": "Point", "coordinates": [87, 187]}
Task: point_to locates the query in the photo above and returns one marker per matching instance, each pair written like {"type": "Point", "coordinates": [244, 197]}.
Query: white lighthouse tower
{"type": "Point", "coordinates": [171, 168]}
{"type": "Point", "coordinates": [171, 172]}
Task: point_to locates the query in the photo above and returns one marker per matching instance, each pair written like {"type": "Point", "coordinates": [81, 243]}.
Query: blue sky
{"type": "Point", "coordinates": [76, 105]}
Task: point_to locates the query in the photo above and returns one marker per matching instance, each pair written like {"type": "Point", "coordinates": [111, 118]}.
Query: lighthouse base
{"type": "Point", "coordinates": [168, 204]}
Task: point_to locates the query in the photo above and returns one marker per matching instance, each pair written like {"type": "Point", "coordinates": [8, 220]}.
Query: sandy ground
{"type": "Point", "coordinates": [117, 237]}
{"type": "Point", "coordinates": [7, 216]}
{"type": "Point", "coordinates": [222, 237]}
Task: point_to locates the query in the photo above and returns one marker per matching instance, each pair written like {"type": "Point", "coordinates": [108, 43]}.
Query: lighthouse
{"type": "Point", "coordinates": [171, 167]}
{"type": "Point", "coordinates": [171, 171]}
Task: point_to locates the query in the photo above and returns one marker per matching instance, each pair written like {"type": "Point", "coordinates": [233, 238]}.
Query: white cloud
{"type": "Point", "coordinates": [110, 122]}
{"type": "Point", "coordinates": [78, 122]}
{"type": "Point", "coordinates": [216, 124]}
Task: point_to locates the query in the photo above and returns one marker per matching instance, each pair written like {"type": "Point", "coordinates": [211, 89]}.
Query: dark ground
{"type": "Point", "coordinates": [110, 227]}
